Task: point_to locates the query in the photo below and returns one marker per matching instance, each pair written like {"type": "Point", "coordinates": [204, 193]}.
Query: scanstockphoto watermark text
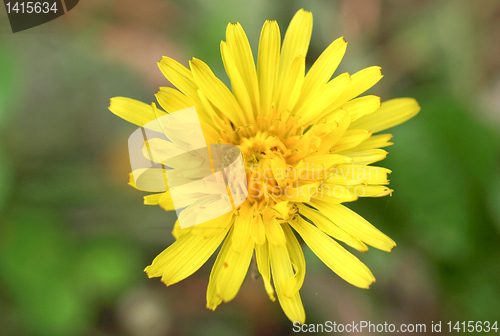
{"type": "Point", "coordinates": [346, 181]}
{"type": "Point", "coordinates": [367, 326]}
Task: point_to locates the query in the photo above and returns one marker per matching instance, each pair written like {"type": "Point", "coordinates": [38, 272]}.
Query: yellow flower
{"type": "Point", "coordinates": [307, 144]}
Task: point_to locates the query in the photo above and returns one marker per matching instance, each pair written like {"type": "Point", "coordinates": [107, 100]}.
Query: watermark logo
{"type": "Point", "coordinates": [28, 14]}
{"type": "Point", "coordinates": [170, 154]}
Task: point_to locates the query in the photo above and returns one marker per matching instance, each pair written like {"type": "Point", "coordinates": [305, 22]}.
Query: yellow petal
{"type": "Point", "coordinates": [238, 86]}
{"type": "Point", "coordinates": [288, 89]}
{"type": "Point", "coordinates": [274, 232]}
{"type": "Point", "coordinates": [281, 269]}
{"type": "Point", "coordinates": [242, 224]}
{"type": "Point", "coordinates": [330, 228]}
{"type": "Point", "coordinates": [324, 161]}
{"type": "Point", "coordinates": [375, 141]}
{"type": "Point", "coordinates": [184, 257]}
{"type": "Point", "coordinates": [262, 258]}
{"type": "Point", "coordinates": [214, 226]}
{"type": "Point", "coordinates": [362, 106]}
{"type": "Point", "coordinates": [268, 64]}
{"type": "Point", "coordinates": [165, 202]}
{"type": "Point", "coordinates": [335, 194]}
{"type": "Point", "coordinates": [350, 139]}
{"type": "Point", "coordinates": [392, 112]}
{"type": "Point", "coordinates": [230, 275]}
{"type": "Point", "coordinates": [360, 82]}
{"type": "Point", "coordinates": [302, 193]}
{"type": "Point", "coordinates": [241, 51]}
{"type": "Point", "coordinates": [373, 191]}
{"type": "Point", "coordinates": [296, 41]}
{"type": "Point", "coordinates": [257, 230]}
{"type": "Point", "coordinates": [342, 119]}
{"type": "Point", "coordinates": [359, 174]}
{"type": "Point", "coordinates": [354, 224]}
{"type": "Point", "coordinates": [216, 92]}
{"type": "Point", "coordinates": [294, 283]}
{"type": "Point", "coordinates": [324, 67]}
{"type": "Point", "coordinates": [337, 258]}
{"type": "Point", "coordinates": [152, 199]}
{"type": "Point", "coordinates": [318, 105]}
{"type": "Point", "coordinates": [134, 111]}
{"type": "Point", "coordinates": [172, 100]}
{"type": "Point", "coordinates": [213, 299]}
{"type": "Point", "coordinates": [367, 156]}
{"type": "Point", "coordinates": [180, 76]}
{"type": "Point", "coordinates": [282, 209]}
{"type": "Point", "coordinates": [150, 179]}
{"type": "Point", "coordinates": [177, 232]}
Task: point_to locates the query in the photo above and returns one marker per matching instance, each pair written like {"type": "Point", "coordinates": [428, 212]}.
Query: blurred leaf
{"type": "Point", "coordinates": [6, 178]}
{"type": "Point", "coordinates": [36, 266]}
{"type": "Point", "coordinates": [493, 200]}
{"type": "Point", "coordinates": [431, 184]}
{"type": "Point", "coordinates": [7, 84]}
{"type": "Point", "coordinates": [107, 267]}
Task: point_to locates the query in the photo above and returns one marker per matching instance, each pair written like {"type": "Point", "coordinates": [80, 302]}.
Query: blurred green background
{"type": "Point", "coordinates": [74, 237]}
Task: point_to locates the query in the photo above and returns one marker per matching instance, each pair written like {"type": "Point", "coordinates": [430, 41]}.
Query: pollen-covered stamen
{"type": "Point", "coordinates": [270, 166]}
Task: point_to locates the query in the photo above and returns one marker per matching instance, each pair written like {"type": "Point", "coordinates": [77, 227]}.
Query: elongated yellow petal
{"type": "Point", "coordinates": [172, 100]}
{"type": "Point", "coordinates": [324, 161]}
{"type": "Point", "coordinates": [152, 199]}
{"type": "Point", "coordinates": [241, 51]}
{"type": "Point", "coordinates": [319, 104]}
{"type": "Point", "coordinates": [238, 86]}
{"type": "Point", "coordinates": [302, 193]}
{"type": "Point", "coordinates": [282, 209]}
{"type": "Point", "coordinates": [337, 258]}
{"type": "Point", "coordinates": [184, 257]}
{"type": "Point", "coordinates": [242, 225]}
{"type": "Point", "coordinates": [354, 224]}
{"type": "Point", "coordinates": [343, 120]}
{"type": "Point", "coordinates": [214, 226]}
{"type": "Point", "coordinates": [268, 64]}
{"type": "Point", "coordinates": [151, 179]}
{"type": "Point", "coordinates": [257, 230]}
{"type": "Point", "coordinates": [362, 106]}
{"type": "Point", "coordinates": [262, 258]}
{"type": "Point", "coordinates": [330, 228]}
{"type": "Point", "coordinates": [335, 194]}
{"type": "Point", "coordinates": [213, 299]}
{"type": "Point", "coordinates": [360, 82]}
{"type": "Point", "coordinates": [134, 111]}
{"type": "Point", "coordinates": [367, 156]}
{"type": "Point", "coordinates": [392, 112]}
{"type": "Point", "coordinates": [180, 76]}
{"type": "Point", "coordinates": [294, 283]}
{"type": "Point", "coordinates": [217, 92]}
{"type": "Point", "coordinates": [350, 139]}
{"type": "Point", "coordinates": [360, 174]}
{"type": "Point", "coordinates": [177, 232]}
{"type": "Point", "coordinates": [324, 67]}
{"type": "Point", "coordinates": [288, 90]}
{"type": "Point", "coordinates": [274, 231]}
{"type": "Point", "coordinates": [296, 41]}
{"type": "Point", "coordinates": [375, 141]}
{"type": "Point", "coordinates": [281, 269]}
{"type": "Point", "coordinates": [232, 272]}
{"type": "Point", "coordinates": [374, 191]}
{"type": "Point", "coordinates": [165, 202]}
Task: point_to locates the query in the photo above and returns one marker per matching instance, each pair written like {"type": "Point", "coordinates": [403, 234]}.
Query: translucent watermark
{"type": "Point", "coordinates": [170, 154]}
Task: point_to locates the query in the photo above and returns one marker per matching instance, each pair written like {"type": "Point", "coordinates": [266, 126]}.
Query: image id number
{"type": "Point", "coordinates": [31, 7]}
